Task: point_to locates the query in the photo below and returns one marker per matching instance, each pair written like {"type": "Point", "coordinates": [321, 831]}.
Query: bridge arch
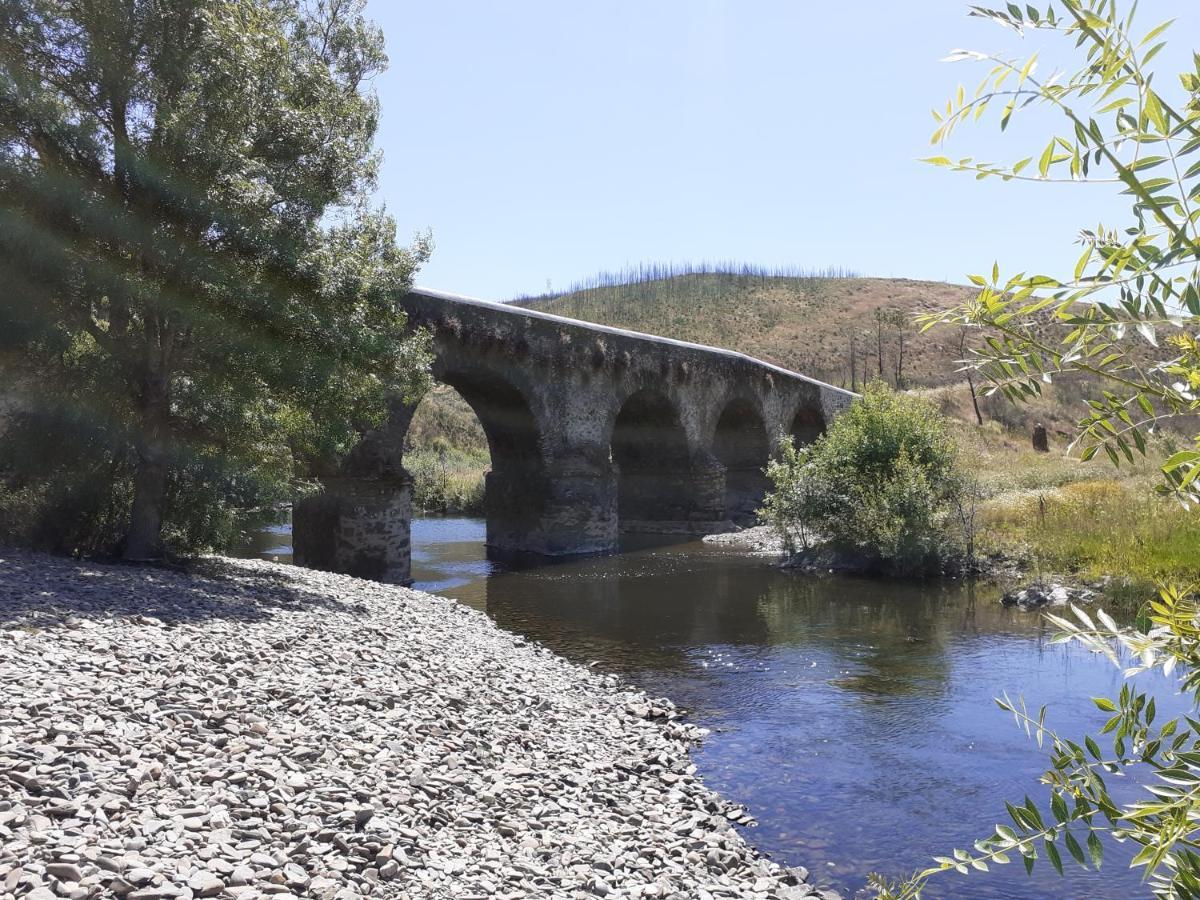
{"type": "Point", "coordinates": [513, 485]}
{"type": "Point", "coordinates": [505, 414]}
{"type": "Point", "coordinates": [808, 424]}
{"type": "Point", "coordinates": [652, 461]}
{"type": "Point", "coordinates": [741, 444]}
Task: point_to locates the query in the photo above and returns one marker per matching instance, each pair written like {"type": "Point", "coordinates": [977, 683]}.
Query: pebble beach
{"type": "Point", "coordinates": [245, 729]}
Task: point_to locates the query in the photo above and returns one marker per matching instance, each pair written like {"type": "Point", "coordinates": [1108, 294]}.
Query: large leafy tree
{"type": "Point", "coordinates": [187, 256]}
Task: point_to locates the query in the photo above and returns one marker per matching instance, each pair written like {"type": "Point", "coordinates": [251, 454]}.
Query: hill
{"type": "Point", "coordinates": [831, 325]}
{"type": "Point", "coordinates": [811, 324]}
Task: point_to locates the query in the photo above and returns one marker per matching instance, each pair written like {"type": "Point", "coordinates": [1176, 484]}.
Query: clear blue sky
{"type": "Point", "coordinates": [551, 139]}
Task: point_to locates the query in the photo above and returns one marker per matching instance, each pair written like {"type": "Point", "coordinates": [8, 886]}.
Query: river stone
{"type": "Point", "coordinates": [205, 884]}
{"type": "Point", "coordinates": [64, 871]}
{"type": "Point", "coordinates": [1042, 594]}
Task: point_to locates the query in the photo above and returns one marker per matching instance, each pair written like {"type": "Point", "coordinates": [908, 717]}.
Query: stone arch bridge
{"type": "Point", "coordinates": [593, 431]}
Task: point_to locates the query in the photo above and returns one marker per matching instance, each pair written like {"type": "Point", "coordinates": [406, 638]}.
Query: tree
{"type": "Point", "coordinates": [880, 317]}
{"type": "Point", "coordinates": [188, 256]}
{"type": "Point", "coordinates": [899, 321]}
{"type": "Point", "coordinates": [853, 361]}
{"type": "Point", "coordinates": [1126, 318]}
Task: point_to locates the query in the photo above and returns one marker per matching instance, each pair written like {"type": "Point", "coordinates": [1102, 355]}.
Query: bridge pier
{"type": "Point", "coordinates": [563, 508]}
{"type": "Point", "coordinates": [682, 500]}
{"type": "Point", "coordinates": [357, 526]}
{"type": "Point", "coordinates": [745, 490]}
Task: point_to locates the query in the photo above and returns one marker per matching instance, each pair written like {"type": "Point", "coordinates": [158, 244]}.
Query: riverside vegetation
{"type": "Point", "coordinates": [1134, 291]}
{"type": "Point", "coordinates": [200, 309]}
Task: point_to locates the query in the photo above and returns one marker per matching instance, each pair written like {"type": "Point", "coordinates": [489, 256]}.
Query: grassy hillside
{"type": "Point", "coordinates": [810, 323]}
{"type": "Point", "coordinates": [805, 323]}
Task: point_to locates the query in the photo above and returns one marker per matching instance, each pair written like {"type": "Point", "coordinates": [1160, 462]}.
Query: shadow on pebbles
{"type": "Point", "coordinates": [252, 730]}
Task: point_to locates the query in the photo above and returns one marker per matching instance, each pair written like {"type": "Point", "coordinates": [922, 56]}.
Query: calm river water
{"type": "Point", "coordinates": [854, 718]}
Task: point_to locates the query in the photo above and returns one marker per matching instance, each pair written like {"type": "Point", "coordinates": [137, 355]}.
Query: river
{"type": "Point", "coordinates": [854, 718]}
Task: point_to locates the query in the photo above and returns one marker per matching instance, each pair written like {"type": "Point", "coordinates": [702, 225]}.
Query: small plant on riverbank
{"type": "Point", "coordinates": [878, 488]}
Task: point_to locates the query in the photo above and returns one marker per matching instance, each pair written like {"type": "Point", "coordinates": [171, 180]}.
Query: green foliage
{"type": "Point", "coordinates": [880, 483]}
{"type": "Point", "coordinates": [65, 482]}
{"type": "Point", "coordinates": [188, 258]}
{"type": "Point", "coordinates": [67, 487]}
{"type": "Point", "coordinates": [1165, 756]}
{"type": "Point", "coordinates": [448, 479]}
{"type": "Point", "coordinates": [1127, 313]}
{"type": "Point", "coordinates": [1126, 316]}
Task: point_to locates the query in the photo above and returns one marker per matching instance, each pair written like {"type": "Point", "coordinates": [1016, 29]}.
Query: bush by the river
{"type": "Point", "coordinates": [67, 486]}
{"type": "Point", "coordinates": [881, 488]}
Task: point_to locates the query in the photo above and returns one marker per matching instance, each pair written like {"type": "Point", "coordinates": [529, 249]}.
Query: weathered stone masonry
{"type": "Point", "coordinates": [592, 431]}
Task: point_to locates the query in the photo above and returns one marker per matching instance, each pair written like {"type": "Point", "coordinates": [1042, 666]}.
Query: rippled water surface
{"type": "Point", "coordinates": [854, 718]}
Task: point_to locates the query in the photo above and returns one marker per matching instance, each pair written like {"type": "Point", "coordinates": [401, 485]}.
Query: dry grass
{"type": "Point", "coordinates": [1063, 516]}
{"type": "Point", "coordinates": [1097, 528]}
{"type": "Point", "coordinates": [802, 323]}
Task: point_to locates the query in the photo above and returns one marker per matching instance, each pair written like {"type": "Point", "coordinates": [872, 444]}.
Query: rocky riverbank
{"type": "Point", "coordinates": [1033, 592]}
{"type": "Point", "coordinates": [762, 539]}
{"type": "Point", "coordinates": [250, 730]}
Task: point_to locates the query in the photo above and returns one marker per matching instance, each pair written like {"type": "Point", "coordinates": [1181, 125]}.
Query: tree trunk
{"type": "Point", "coordinates": [879, 340]}
{"type": "Point", "coordinates": [974, 398]}
{"type": "Point", "coordinates": [144, 538]}
{"type": "Point", "coordinates": [149, 494]}
{"type": "Point", "coordinates": [853, 364]}
{"type": "Point", "coordinates": [962, 352]}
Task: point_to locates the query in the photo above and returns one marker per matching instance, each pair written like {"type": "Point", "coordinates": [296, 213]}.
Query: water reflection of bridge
{"type": "Point", "coordinates": [652, 611]}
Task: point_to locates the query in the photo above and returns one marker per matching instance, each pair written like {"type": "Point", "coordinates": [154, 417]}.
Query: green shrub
{"type": "Point", "coordinates": [446, 478]}
{"type": "Point", "coordinates": [66, 486]}
{"type": "Point", "coordinates": [880, 486]}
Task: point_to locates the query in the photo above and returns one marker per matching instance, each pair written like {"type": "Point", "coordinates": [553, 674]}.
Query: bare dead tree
{"type": "Point", "coordinates": [853, 362]}
{"type": "Point", "coordinates": [879, 317]}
